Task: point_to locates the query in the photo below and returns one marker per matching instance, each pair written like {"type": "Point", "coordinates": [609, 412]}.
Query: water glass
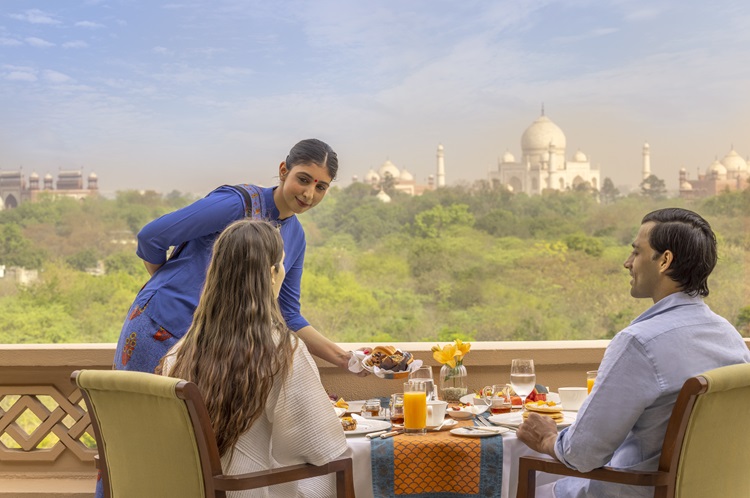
{"type": "Point", "coordinates": [424, 375]}
{"type": "Point", "coordinates": [522, 378]}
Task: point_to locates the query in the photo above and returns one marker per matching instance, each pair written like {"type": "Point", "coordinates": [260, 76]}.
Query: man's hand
{"type": "Point", "coordinates": [539, 433]}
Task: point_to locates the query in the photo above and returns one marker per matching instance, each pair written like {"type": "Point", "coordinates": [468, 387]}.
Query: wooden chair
{"type": "Point", "coordinates": [706, 447]}
{"type": "Point", "coordinates": [155, 439]}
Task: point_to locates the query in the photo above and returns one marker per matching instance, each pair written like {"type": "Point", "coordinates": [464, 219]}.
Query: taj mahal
{"type": "Point", "coordinates": [543, 164]}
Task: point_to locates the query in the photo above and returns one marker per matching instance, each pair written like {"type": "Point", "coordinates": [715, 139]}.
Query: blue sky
{"type": "Point", "coordinates": [193, 94]}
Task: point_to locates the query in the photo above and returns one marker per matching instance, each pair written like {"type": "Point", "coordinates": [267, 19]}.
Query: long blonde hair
{"type": "Point", "coordinates": [238, 344]}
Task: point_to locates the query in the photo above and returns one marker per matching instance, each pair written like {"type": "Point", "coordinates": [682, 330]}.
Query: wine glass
{"type": "Point", "coordinates": [522, 378]}
{"type": "Point", "coordinates": [424, 374]}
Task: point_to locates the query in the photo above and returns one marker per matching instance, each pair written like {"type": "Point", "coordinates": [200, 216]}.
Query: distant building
{"type": "Point", "coordinates": [543, 165]}
{"type": "Point", "coordinates": [15, 190]}
{"type": "Point", "coordinates": [19, 275]}
{"type": "Point", "coordinates": [402, 180]}
{"type": "Point", "coordinates": [729, 174]}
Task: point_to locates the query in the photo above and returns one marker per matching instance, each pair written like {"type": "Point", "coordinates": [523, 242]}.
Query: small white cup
{"type": "Point", "coordinates": [572, 397]}
{"type": "Point", "coordinates": [436, 412]}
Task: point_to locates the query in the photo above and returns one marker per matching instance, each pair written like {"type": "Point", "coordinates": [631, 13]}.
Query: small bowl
{"type": "Point", "coordinates": [466, 412]}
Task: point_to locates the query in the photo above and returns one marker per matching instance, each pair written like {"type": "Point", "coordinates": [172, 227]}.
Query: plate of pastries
{"type": "Point", "coordinates": [388, 362]}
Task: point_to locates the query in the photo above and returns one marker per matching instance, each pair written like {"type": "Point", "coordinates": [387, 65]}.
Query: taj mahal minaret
{"type": "Point", "coordinates": [646, 160]}
{"type": "Point", "coordinates": [440, 166]}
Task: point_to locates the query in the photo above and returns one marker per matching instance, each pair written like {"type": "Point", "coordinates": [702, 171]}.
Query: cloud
{"type": "Point", "coordinates": [20, 76]}
{"type": "Point", "coordinates": [75, 44]}
{"type": "Point", "coordinates": [594, 33]}
{"type": "Point", "coordinates": [643, 14]}
{"type": "Point", "coordinates": [9, 42]}
{"type": "Point", "coordinates": [89, 24]}
{"type": "Point", "coordinates": [38, 42]}
{"type": "Point", "coordinates": [35, 16]}
{"type": "Point", "coordinates": [162, 51]}
{"type": "Point", "coordinates": [56, 77]}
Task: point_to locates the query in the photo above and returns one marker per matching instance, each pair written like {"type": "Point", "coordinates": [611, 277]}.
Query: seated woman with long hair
{"type": "Point", "coordinates": [260, 384]}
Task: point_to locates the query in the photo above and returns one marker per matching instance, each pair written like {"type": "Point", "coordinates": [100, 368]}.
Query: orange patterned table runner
{"type": "Point", "coordinates": [437, 463]}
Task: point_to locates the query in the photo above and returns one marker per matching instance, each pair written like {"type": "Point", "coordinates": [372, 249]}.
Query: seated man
{"type": "Point", "coordinates": [623, 422]}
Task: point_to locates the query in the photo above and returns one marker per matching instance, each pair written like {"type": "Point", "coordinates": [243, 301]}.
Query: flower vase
{"type": "Point", "coordinates": [452, 383]}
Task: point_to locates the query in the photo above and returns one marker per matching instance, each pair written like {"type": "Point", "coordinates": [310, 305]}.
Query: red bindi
{"type": "Point", "coordinates": [316, 181]}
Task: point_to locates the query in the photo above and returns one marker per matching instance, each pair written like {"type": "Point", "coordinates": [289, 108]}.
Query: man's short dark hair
{"type": "Point", "coordinates": [690, 238]}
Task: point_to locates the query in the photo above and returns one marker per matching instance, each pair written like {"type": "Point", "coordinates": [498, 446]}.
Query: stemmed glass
{"type": "Point", "coordinates": [424, 374]}
{"type": "Point", "coordinates": [522, 378]}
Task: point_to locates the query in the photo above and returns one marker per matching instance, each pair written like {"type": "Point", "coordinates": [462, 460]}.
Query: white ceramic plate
{"type": "Point", "coordinates": [339, 411]}
{"type": "Point", "coordinates": [469, 432]}
{"type": "Point", "coordinates": [514, 419]}
{"type": "Point", "coordinates": [367, 425]}
{"type": "Point", "coordinates": [466, 412]}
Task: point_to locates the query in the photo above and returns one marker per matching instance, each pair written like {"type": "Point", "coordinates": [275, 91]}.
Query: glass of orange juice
{"type": "Point", "coordinates": [415, 408]}
{"type": "Point", "coordinates": [590, 377]}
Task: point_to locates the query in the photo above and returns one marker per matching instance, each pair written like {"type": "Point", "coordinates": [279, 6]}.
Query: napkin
{"type": "Point", "coordinates": [355, 361]}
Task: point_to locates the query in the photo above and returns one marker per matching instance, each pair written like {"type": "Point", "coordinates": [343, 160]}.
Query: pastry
{"type": "Point", "coordinates": [348, 423]}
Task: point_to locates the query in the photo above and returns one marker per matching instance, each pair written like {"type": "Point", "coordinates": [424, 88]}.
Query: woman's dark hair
{"type": "Point", "coordinates": [690, 238]}
{"type": "Point", "coordinates": [313, 151]}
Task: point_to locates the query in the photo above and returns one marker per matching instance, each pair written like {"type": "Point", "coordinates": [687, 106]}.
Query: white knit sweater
{"type": "Point", "coordinates": [299, 425]}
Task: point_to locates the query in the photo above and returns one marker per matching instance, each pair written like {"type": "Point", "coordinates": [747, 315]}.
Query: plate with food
{"type": "Point", "coordinates": [547, 409]}
{"type": "Point", "coordinates": [387, 362]}
{"type": "Point", "coordinates": [539, 393]}
{"type": "Point", "coordinates": [465, 411]}
{"type": "Point", "coordinates": [358, 426]}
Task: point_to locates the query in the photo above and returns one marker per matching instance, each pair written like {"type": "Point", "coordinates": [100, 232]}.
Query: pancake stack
{"type": "Point", "coordinates": [545, 408]}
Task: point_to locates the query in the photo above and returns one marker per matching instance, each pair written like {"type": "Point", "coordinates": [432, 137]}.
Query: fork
{"type": "Point", "coordinates": [482, 421]}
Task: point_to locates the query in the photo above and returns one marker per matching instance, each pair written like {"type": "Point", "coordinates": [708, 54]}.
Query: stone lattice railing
{"type": "Point", "coordinates": [33, 431]}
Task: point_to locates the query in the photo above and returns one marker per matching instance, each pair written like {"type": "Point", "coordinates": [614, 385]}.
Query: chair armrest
{"type": "Point", "coordinates": [529, 466]}
{"type": "Point", "coordinates": [262, 478]}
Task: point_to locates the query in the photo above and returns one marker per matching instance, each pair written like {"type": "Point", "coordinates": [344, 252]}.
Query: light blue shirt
{"type": "Point", "coordinates": [623, 422]}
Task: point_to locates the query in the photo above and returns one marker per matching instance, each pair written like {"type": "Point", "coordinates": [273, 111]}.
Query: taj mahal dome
{"type": "Point", "coordinates": [543, 164]}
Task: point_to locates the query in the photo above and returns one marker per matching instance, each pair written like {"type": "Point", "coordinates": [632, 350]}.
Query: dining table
{"type": "Point", "coordinates": [439, 463]}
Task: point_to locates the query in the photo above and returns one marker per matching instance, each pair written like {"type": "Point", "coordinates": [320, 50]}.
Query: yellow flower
{"type": "Point", "coordinates": [446, 356]}
{"type": "Point", "coordinates": [451, 354]}
{"type": "Point", "coordinates": [463, 347]}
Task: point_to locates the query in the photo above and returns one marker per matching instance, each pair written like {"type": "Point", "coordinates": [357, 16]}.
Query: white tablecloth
{"type": "Point", "coordinates": [512, 450]}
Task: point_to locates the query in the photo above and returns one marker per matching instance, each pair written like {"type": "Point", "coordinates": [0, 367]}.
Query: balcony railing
{"type": "Point", "coordinates": [45, 445]}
